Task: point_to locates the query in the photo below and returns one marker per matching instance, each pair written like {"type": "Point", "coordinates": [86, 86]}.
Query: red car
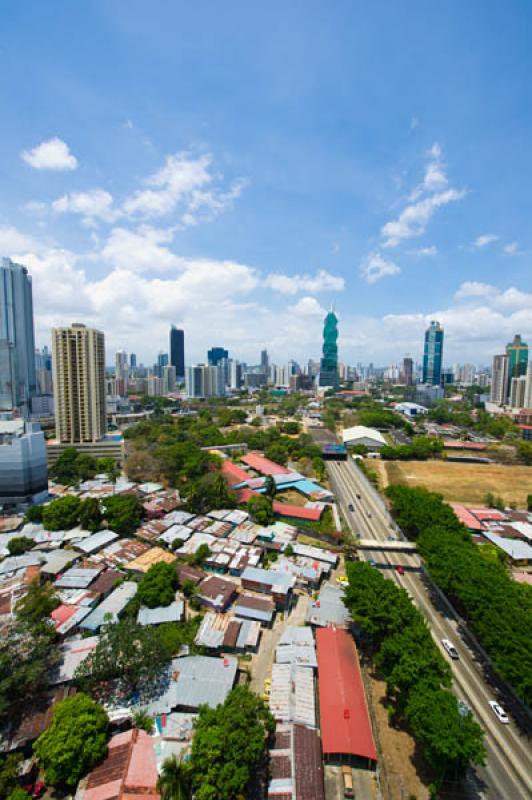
{"type": "Point", "coordinates": [400, 569]}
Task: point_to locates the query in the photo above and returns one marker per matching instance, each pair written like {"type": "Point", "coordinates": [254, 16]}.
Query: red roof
{"type": "Point", "coordinates": [525, 427]}
{"type": "Point", "coordinates": [128, 771]}
{"type": "Point", "coordinates": [458, 444]}
{"type": "Point", "coordinates": [466, 517]}
{"type": "Point", "coordinates": [345, 725]}
{"type": "Point", "coordinates": [63, 613]}
{"type": "Point", "coordinates": [264, 465]}
{"type": "Point", "coordinates": [233, 473]}
{"type": "Point", "coordinates": [287, 510]}
{"type": "Point", "coordinates": [488, 513]}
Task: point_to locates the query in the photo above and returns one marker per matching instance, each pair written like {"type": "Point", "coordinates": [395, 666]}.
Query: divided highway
{"type": "Point", "coordinates": [508, 771]}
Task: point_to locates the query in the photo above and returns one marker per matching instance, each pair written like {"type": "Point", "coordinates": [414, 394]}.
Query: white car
{"type": "Point", "coordinates": [499, 711]}
{"type": "Point", "coordinates": [450, 648]}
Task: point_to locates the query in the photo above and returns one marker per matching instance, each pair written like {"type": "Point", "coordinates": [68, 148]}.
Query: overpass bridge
{"type": "Point", "coordinates": [394, 546]}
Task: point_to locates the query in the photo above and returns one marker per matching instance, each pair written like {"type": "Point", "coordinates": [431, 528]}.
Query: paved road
{"type": "Point", "coordinates": [508, 771]}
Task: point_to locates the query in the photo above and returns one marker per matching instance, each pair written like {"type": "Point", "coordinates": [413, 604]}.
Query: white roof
{"type": "Point", "coordinates": [361, 432]}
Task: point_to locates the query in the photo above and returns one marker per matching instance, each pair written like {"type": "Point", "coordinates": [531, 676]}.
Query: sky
{"type": "Point", "coordinates": [237, 169]}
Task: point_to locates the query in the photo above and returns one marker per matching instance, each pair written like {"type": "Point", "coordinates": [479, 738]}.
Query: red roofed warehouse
{"type": "Point", "coordinates": [263, 465]}
{"type": "Point", "coordinates": [345, 726]}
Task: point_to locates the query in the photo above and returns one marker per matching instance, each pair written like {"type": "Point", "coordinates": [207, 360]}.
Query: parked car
{"type": "Point", "coordinates": [450, 648]}
{"type": "Point", "coordinates": [499, 711]}
{"type": "Point", "coordinates": [400, 569]}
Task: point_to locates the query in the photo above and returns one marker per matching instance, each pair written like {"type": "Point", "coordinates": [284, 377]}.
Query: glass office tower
{"type": "Point", "coordinates": [433, 354]}
{"type": "Point", "coordinates": [329, 361]}
{"type": "Point", "coordinates": [17, 341]}
{"type": "Point", "coordinates": [177, 352]}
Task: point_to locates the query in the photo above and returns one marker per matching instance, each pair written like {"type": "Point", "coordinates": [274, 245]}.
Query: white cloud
{"type": "Point", "coordinates": [92, 205]}
{"type": "Point", "coordinates": [414, 218]}
{"type": "Point", "coordinates": [484, 239]}
{"type": "Point", "coordinates": [307, 307]}
{"type": "Point", "coordinates": [511, 249]}
{"type": "Point", "coordinates": [414, 123]}
{"type": "Point", "coordinates": [376, 267]}
{"type": "Point", "coordinates": [185, 183]}
{"type": "Point", "coordinates": [426, 251]}
{"type": "Point", "coordinates": [141, 250]}
{"type": "Point", "coordinates": [322, 281]}
{"type": "Point", "coordinates": [474, 289]}
{"type": "Point", "coordinates": [52, 154]}
{"type": "Point", "coordinates": [13, 242]}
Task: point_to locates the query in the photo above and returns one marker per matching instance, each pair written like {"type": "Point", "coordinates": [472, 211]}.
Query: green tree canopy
{"type": "Point", "coordinates": [72, 467]}
{"type": "Point", "coordinates": [61, 514]}
{"type": "Point", "coordinates": [75, 741]}
{"type": "Point", "coordinates": [90, 516]}
{"type": "Point", "coordinates": [37, 604]}
{"type": "Point", "coordinates": [19, 545]}
{"type": "Point", "coordinates": [158, 586]}
{"type": "Point", "coordinates": [260, 509]}
{"type": "Point", "coordinates": [175, 780]}
{"type": "Point", "coordinates": [229, 747]}
{"type": "Point", "coordinates": [126, 651]}
{"type": "Point", "coordinates": [123, 513]}
{"type": "Point", "coordinates": [207, 493]}
{"type": "Point", "coordinates": [34, 514]}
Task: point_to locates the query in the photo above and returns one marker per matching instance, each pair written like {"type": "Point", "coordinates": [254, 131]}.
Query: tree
{"type": "Point", "coordinates": [123, 513]}
{"type": "Point", "coordinates": [141, 719]}
{"type": "Point", "coordinates": [126, 651]}
{"type": "Point", "coordinates": [229, 746]}
{"type": "Point", "coordinates": [277, 452]}
{"type": "Point", "coordinates": [61, 514]}
{"type": "Point", "coordinates": [529, 502]}
{"type": "Point", "coordinates": [9, 767]}
{"type": "Point", "coordinates": [18, 794]}
{"type": "Point", "coordinates": [90, 516]}
{"type": "Point", "coordinates": [75, 741]}
{"type": "Point", "coordinates": [270, 487]}
{"type": "Point", "coordinates": [65, 469]}
{"type": "Point", "coordinates": [289, 550]}
{"type": "Point", "coordinates": [318, 465]}
{"type": "Point", "coordinates": [19, 545]}
{"type": "Point", "coordinates": [201, 555]}
{"type": "Point", "coordinates": [33, 514]}
{"type": "Point", "coordinates": [174, 782]}
{"type": "Point", "coordinates": [85, 466]}
{"type": "Point", "coordinates": [37, 604]}
{"type": "Point", "coordinates": [207, 493]}
{"type": "Point", "coordinates": [260, 509]}
{"type": "Point", "coordinates": [158, 586]}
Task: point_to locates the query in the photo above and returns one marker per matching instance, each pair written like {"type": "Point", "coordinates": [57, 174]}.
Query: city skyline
{"type": "Point", "coordinates": [335, 186]}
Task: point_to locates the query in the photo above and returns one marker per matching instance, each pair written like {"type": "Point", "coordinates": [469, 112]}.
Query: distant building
{"type": "Point", "coordinates": [360, 434]}
{"type": "Point", "coordinates": [411, 409]}
{"type": "Point", "coordinates": [329, 363]}
{"type": "Point", "coordinates": [408, 371]}
{"type": "Point", "coordinates": [17, 342]}
{"type": "Point", "coordinates": [215, 355]}
{"type": "Point", "coordinates": [121, 372]}
{"type": "Point", "coordinates": [133, 361]}
{"type": "Point", "coordinates": [517, 353]}
{"type": "Point", "coordinates": [169, 379]}
{"type": "Point", "coordinates": [499, 380]}
{"type": "Point", "coordinates": [203, 380]}
{"type": "Point", "coordinates": [433, 354]}
{"type": "Point", "coordinates": [264, 362]}
{"type": "Point", "coordinates": [23, 464]}
{"type": "Point", "coordinates": [177, 352]}
{"type": "Point", "coordinates": [79, 383]}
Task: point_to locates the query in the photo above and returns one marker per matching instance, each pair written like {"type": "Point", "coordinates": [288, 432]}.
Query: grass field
{"type": "Point", "coordinates": [465, 483]}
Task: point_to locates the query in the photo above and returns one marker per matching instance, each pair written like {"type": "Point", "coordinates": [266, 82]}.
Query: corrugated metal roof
{"type": "Point", "coordinates": [96, 541]}
{"type": "Point", "coordinates": [263, 465]}
{"type": "Point", "coordinates": [345, 724]}
{"type": "Point", "coordinates": [114, 604]}
{"type": "Point", "coordinates": [292, 696]}
{"type": "Point", "coordinates": [329, 608]}
{"type": "Point", "coordinates": [77, 578]}
{"type": "Point", "coordinates": [156, 616]}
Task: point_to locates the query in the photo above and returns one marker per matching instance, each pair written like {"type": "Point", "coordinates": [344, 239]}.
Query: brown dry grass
{"type": "Point", "coordinates": [464, 483]}
{"type": "Point", "coordinates": [292, 497]}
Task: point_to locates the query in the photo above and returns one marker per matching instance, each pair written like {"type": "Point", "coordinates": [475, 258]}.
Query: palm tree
{"type": "Point", "coordinates": [175, 779]}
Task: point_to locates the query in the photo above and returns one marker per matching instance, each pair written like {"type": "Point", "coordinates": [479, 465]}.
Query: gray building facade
{"type": "Point", "coordinates": [23, 462]}
{"type": "Point", "coordinates": [17, 339]}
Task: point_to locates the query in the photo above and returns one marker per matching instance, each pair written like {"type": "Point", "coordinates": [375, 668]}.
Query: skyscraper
{"type": "Point", "coordinates": [17, 340]}
{"type": "Point", "coordinates": [264, 362]}
{"type": "Point", "coordinates": [408, 371]}
{"type": "Point", "coordinates": [215, 355]}
{"type": "Point", "coordinates": [329, 362]}
{"type": "Point", "coordinates": [133, 361]}
{"type": "Point", "coordinates": [121, 372]}
{"type": "Point", "coordinates": [204, 380]}
{"type": "Point", "coordinates": [177, 352]}
{"type": "Point", "coordinates": [433, 354]}
{"type": "Point", "coordinates": [79, 383]}
{"type": "Point", "coordinates": [499, 379]}
{"type": "Point", "coordinates": [169, 379]}
{"type": "Point", "coordinates": [517, 352]}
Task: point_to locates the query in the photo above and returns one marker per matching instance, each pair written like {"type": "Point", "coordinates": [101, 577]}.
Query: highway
{"type": "Point", "coordinates": [507, 774]}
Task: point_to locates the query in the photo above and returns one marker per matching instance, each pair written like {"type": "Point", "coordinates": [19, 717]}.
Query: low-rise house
{"type": "Point", "coordinates": [128, 771]}
{"type": "Point", "coordinates": [97, 541]}
{"type": "Point", "coordinates": [78, 577]}
{"type": "Point", "coordinates": [193, 681]}
{"type": "Point", "coordinates": [296, 766]}
{"type": "Point", "coordinates": [72, 654]}
{"type": "Point", "coordinates": [187, 573]}
{"type": "Point", "coordinates": [329, 608]}
{"type": "Point", "coordinates": [296, 646]}
{"type": "Point", "coordinates": [175, 612]}
{"type": "Point", "coordinates": [121, 553]}
{"type": "Point", "coordinates": [110, 610]}
{"type": "Point", "coordinates": [292, 697]}
{"type": "Point", "coordinates": [226, 634]}
{"type": "Point", "coordinates": [155, 555]}
{"type": "Point", "coordinates": [175, 533]}
{"type": "Point", "coordinates": [216, 593]}
{"type": "Point", "coordinates": [278, 584]}
{"type": "Point", "coordinates": [316, 553]}
{"type": "Point", "coordinates": [191, 546]}
{"type": "Point", "coordinates": [249, 606]}
{"type": "Point", "coordinates": [57, 561]}
{"type": "Point", "coordinates": [105, 582]}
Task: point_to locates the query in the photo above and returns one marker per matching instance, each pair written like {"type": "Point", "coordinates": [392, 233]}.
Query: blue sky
{"type": "Point", "coordinates": [237, 168]}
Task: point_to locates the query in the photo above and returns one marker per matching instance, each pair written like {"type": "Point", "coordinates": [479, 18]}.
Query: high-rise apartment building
{"type": "Point", "coordinates": [499, 379]}
{"type": "Point", "coordinates": [518, 392]}
{"type": "Point", "coordinates": [169, 379]}
{"type": "Point", "coordinates": [121, 373]}
{"type": "Point", "coordinates": [17, 340]}
{"type": "Point", "coordinates": [329, 362]}
{"type": "Point", "coordinates": [177, 352]}
{"type": "Point", "coordinates": [78, 359]}
{"type": "Point", "coordinates": [264, 362]}
{"type": "Point", "coordinates": [433, 354]}
{"type": "Point", "coordinates": [215, 355]}
{"type": "Point", "coordinates": [132, 361]}
{"type": "Point", "coordinates": [204, 380]}
{"type": "Point", "coordinates": [408, 371]}
{"type": "Point", "coordinates": [517, 352]}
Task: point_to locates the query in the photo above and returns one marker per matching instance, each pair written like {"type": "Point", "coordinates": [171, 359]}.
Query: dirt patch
{"type": "Point", "coordinates": [464, 483]}
{"type": "Point", "coordinates": [401, 774]}
{"type": "Point", "coordinates": [292, 497]}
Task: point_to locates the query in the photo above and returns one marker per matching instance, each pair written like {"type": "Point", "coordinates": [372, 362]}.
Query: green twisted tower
{"type": "Point", "coordinates": [329, 360]}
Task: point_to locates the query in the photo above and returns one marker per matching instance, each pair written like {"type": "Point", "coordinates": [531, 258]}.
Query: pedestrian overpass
{"type": "Point", "coordinates": [394, 546]}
